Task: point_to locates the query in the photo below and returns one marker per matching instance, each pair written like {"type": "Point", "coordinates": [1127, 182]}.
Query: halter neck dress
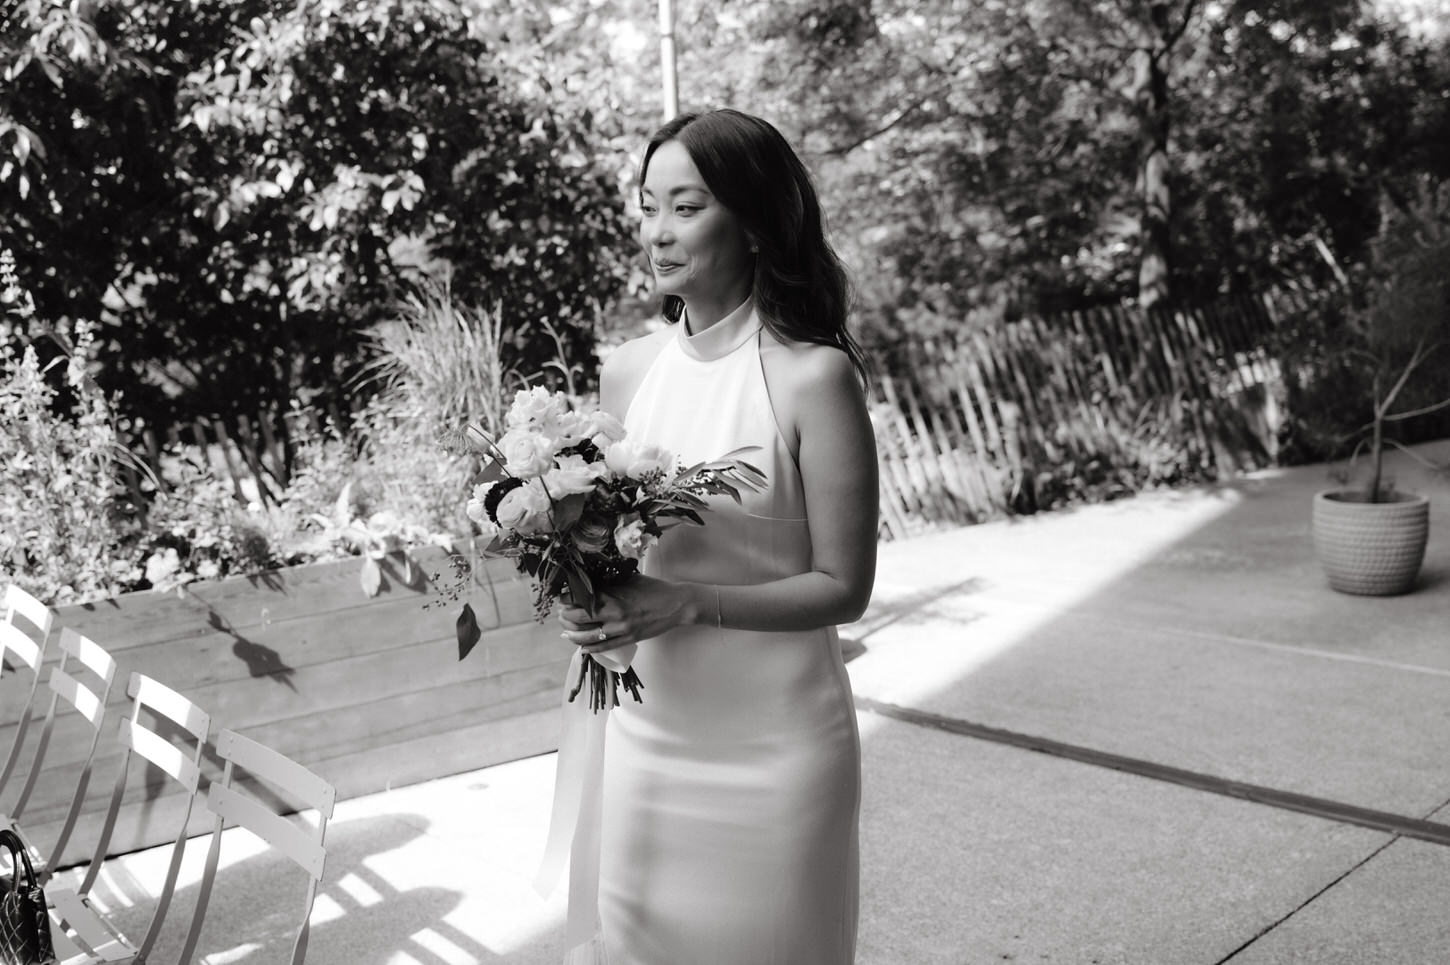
{"type": "Point", "coordinates": [731, 794]}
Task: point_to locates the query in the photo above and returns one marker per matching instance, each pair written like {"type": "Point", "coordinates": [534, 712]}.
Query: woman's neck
{"type": "Point", "coordinates": [702, 313]}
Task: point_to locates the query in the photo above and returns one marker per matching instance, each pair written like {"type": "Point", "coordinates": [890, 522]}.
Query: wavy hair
{"type": "Point", "coordinates": [801, 289]}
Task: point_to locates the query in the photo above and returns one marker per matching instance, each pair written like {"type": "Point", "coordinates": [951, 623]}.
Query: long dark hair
{"type": "Point", "coordinates": [801, 289]}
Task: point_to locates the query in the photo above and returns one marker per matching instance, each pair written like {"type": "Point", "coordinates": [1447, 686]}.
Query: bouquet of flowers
{"type": "Point", "coordinates": [577, 505]}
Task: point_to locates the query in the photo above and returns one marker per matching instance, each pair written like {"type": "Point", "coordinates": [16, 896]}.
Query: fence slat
{"type": "Point", "coordinates": [971, 356]}
{"type": "Point", "coordinates": [933, 443]}
{"type": "Point", "coordinates": [916, 461]}
{"type": "Point", "coordinates": [962, 426]}
{"type": "Point", "coordinates": [224, 444]}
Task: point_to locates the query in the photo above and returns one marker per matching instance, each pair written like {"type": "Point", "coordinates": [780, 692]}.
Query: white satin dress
{"type": "Point", "coordinates": [732, 793]}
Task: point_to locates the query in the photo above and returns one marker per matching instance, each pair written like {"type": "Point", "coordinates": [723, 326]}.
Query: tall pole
{"type": "Point", "coordinates": [667, 59]}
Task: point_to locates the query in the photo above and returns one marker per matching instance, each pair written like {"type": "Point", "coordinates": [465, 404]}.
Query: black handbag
{"type": "Point", "coordinates": [24, 924]}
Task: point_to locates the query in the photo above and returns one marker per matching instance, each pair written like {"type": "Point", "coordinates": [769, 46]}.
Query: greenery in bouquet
{"type": "Point", "coordinates": [577, 505]}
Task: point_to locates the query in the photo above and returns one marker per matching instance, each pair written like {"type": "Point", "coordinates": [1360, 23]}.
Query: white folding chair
{"type": "Point", "coordinates": [266, 817]}
{"type": "Point", "coordinates": [77, 921]}
{"type": "Point", "coordinates": [28, 647]}
{"type": "Point", "coordinates": [76, 652]}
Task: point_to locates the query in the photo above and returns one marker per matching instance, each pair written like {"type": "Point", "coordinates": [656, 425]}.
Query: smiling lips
{"type": "Point", "coordinates": [666, 265]}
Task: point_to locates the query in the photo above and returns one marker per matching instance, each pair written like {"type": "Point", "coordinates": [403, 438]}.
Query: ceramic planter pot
{"type": "Point", "coordinates": [1371, 549]}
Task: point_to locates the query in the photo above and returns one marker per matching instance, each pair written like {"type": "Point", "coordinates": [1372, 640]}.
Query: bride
{"type": "Point", "coordinates": [731, 794]}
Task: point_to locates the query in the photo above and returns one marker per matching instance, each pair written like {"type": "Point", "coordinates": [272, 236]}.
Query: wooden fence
{"type": "Point", "coordinates": [1112, 399]}
{"type": "Point", "coordinates": [255, 454]}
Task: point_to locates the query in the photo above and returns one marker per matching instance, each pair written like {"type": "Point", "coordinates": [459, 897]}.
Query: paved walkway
{"type": "Point", "coordinates": [1142, 733]}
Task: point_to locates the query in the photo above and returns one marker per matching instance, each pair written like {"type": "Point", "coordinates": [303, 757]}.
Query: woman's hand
{"type": "Point", "coordinates": [638, 609]}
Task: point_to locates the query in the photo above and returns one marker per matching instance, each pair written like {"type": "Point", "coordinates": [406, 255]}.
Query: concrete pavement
{"type": "Point", "coordinates": [1164, 653]}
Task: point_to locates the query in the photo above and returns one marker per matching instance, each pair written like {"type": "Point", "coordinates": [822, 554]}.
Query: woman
{"type": "Point", "coordinates": [731, 794]}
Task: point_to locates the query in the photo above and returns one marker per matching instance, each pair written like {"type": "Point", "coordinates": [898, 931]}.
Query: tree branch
{"type": "Point", "coordinates": [1427, 463]}
{"type": "Point", "coordinates": [1401, 416]}
{"type": "Point", "coordinates": [1421, 353]}
{"type": "Point", "coordinates": [1176, 35]}
{"type": "Point", "coordinates": [905, 112]}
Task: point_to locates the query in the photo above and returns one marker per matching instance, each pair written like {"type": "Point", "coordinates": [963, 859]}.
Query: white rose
{"type": "Point", "coordinates": [603, 428]}
{"type": "Point", "coordinates": [525, 508]}
{"type": "Point", "coordinates": [651, 458]}
{"type": "Point", "coordinates": [619, 456]}
{"type": "Point", "coordinates": [208, 570]}
{"type": "Point", "coordinates": [567, 429]}
{"type": "Point", "coordinates": [534, 408]}
{"type": "Point", "coordinates": [631, 539]}
{"type": "Point", "coordinates": [526, 454]}
{"type": "Point", "coordinates": [572, 475]}
{"type": "Point", "coordinates": [627, 459]}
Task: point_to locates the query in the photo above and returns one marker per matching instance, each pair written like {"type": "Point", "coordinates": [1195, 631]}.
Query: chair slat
{"type": "Point", "coordinates": [92, 931]}
{"type": "Point", "coordinates": [270, 765]}
{"type": "Point", "coordinates": [291, 840]}
{"type": "Point", "coordinates": [18, 601]}
{"type": "Point", "coordinates": [160, 752]}
{"type": "Point", "coordinates": [17, 641]}
{"type": "Point", "coordinates": [175, 707]}
{"type": "Point", "coordinates": [91, 654]}
{"type": "Point", "coordinates": [78, 695]}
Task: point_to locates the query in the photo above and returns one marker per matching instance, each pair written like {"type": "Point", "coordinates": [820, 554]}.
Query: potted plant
{"type": "Point", "coordinates": [1396, 347]}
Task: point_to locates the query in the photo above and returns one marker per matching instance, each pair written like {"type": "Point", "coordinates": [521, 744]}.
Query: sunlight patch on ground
{"type": "Point", "coordinates": [443, 949]}
{"type": "Point", "coordinates": [237, 954]}
{"type": "Point", "coordinates": [946, 604]}
{"type": "Point", "coordinates": [468, 868]}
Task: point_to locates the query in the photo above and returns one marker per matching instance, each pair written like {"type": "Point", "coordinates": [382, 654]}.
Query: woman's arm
{"type": "Point", "coordinates": [822, 405]}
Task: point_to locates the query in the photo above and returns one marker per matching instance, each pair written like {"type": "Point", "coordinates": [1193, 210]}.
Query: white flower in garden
{"type": "Point", "coordinates": [208, 570]}
{"type": "Point", "coordinates": [162, 566]}
{"type": "Point", "coordinates": [121, 570]}
{"type": "Point", "coordinates": [631, 539]}
{"type": "Point", "coordinates": [624, 458]}
{"type": "Point", "coordinates": [573, 475]}
{"type": "Point", "coordinates": [603, 428]}
{"type": "Point", "coordinates": [526, 453]}
{"type": "Point", "coordinates": [535, 408]}
{"type": "Point", "coordinates": [525, 508]}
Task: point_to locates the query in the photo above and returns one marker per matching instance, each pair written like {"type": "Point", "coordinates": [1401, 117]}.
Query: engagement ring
{"type": "Point", "coordinates": [602, 635]}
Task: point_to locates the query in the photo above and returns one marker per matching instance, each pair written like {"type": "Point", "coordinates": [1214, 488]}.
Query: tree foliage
{"type": "Point", "coordinates": [986, 159]}
{"type": "Point", "coordinates": [240, 191]}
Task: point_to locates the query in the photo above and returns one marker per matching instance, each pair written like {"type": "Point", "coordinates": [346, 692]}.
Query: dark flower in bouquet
{"type": "Point", "coordinates": [577, 505]}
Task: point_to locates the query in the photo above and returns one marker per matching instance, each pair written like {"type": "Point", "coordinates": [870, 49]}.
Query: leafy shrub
{"type": "Point", "coordinates": [69, 531]}
{"type": "Point", "coordinates": [196, 529]}
{"type": "Point", "coordinates": [58, 443]}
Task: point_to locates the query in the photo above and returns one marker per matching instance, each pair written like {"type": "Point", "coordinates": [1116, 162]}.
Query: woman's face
{"type": "Point", "coordinates": [695, 244]}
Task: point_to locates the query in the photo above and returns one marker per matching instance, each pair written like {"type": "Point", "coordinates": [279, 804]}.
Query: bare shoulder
{"type": "Point", "coordinates": [806, 367]}
{"type": "Point", "coordinates": [808, 383]}
{"type": "Point", "coordinates": [625, 367]}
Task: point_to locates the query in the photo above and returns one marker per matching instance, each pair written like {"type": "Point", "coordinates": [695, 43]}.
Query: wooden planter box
{"type": "Point", "coordinates": [368, 692]}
